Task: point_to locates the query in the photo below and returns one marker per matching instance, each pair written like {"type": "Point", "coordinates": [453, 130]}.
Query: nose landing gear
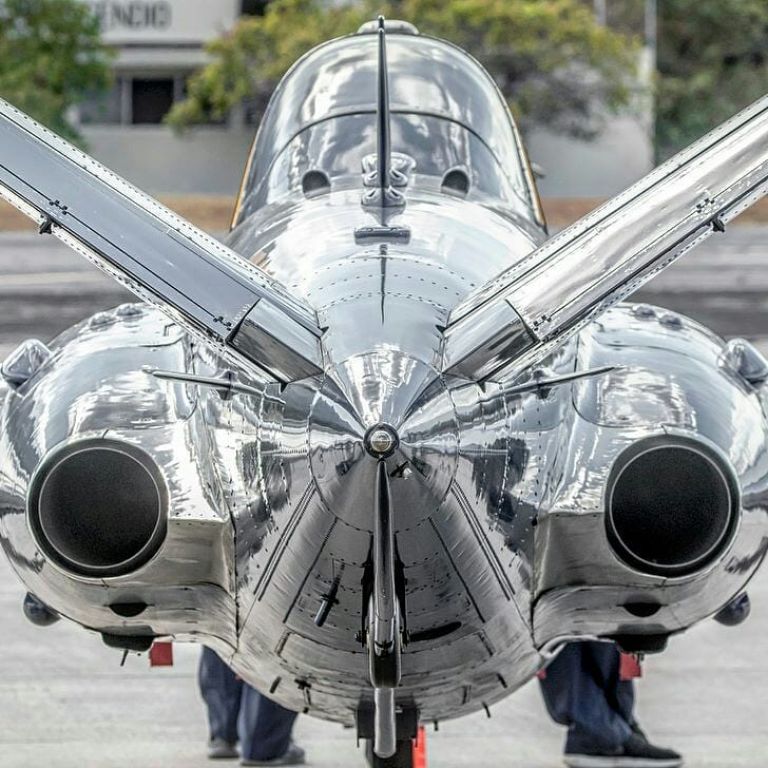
{"type": "Point", "coordinates": [410, 749]}
{"type": "Point", "coordinates": [389, 730]}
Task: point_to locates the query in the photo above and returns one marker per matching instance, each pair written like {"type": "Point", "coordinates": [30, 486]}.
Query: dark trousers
{"type": "Point", "coordinates": [235, 708]}
{"type": "Point", "coordinates": [583, 690]}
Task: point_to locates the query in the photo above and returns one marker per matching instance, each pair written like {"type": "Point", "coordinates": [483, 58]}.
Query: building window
{"type": "Point", "coordinates": [104, 108]}
{"type": "Point", "coordinates": [151, 100]}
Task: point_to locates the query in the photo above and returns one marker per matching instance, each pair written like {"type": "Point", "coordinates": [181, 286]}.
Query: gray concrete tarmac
{"type": "Point", "coordinates": [65, 702]}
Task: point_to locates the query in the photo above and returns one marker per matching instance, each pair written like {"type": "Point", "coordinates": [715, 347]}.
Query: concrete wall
{"type": "Point", "coordinates": [619, 156]}
{"type": "Point", "coordinates": [202, 161]}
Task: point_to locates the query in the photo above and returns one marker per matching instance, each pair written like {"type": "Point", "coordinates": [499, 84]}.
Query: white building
{"type": "Point", "coordinates": [160, 42]}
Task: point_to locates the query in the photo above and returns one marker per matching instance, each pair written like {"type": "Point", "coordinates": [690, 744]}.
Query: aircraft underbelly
{"type": "Point", "coordinates": [468, 642]}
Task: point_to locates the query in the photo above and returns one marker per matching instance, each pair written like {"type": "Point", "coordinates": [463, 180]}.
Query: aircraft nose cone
{"type": "Point", "coordinates": [380, 441]}
{"type": "Point", "coordinates": [385, 406]}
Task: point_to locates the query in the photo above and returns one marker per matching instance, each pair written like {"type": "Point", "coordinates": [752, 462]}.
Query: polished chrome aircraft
{"type": "Point", "coordinates": [391, 446]}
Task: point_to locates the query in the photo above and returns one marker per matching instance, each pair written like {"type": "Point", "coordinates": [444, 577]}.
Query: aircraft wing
{"type": "Point", "coordinates": [514, 321]}
{"type": "Point", "coordinates": [198, 282]}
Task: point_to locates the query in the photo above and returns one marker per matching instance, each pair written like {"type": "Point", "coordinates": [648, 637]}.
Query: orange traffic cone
{"type": "Point", "coordinates": [420, 749]}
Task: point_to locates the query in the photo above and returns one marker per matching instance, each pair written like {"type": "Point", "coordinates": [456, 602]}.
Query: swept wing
{"type": "Point", "coordinates": [200, 283]}
{"type": "Point", "coordinates": [515, 320]}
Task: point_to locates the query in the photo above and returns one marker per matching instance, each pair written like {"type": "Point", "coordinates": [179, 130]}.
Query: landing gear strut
{"type": "Point", "coordinates": [389, 734]}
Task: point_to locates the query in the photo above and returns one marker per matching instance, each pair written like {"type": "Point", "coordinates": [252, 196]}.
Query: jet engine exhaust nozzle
{"type": "Point", "coordinates": [673, 506]}
{"type": "Point", "coordinates": [98, 507]}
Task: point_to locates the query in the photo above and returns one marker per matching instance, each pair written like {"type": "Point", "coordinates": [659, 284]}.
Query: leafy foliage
{"type": "Point", "coordinates": [712, 61]}
{"type": "Point", "coordinates": [51, 55]}
{"type": "Point", "coordinates": [552, 61]}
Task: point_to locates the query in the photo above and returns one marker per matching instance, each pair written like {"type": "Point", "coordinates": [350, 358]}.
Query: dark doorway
{"type": "Point", "coordinates": [151, 100]}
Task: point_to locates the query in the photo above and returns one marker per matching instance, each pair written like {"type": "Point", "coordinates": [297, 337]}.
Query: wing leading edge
{"type": "Point", "coordinates": [198, 282]}
{"type": "Point", "coordinates": [514, 321]}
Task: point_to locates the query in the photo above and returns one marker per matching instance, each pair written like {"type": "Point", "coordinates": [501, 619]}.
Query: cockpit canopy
{"type": "Point", "coordinates": [446, 114]}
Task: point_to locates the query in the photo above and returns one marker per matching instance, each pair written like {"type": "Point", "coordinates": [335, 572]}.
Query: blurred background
{"type": "Point", "coordinates": [169, 94]}
{"type": "Point", "coordinates": [603, 89]}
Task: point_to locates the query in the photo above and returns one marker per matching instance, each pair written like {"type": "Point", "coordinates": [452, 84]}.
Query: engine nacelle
{"type": "Point", "coordinates": [98, 507]}
{"type": "Point", "coordinates": [655, 511]}
{"type": "Point", "coordinates": [100, 514]}
{"type": "Point", "coordinates": [672, 506]}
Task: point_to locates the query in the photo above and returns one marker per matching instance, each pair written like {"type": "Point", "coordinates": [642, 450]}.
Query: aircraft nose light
{"type": "Point", "coordinates": [381, 441]}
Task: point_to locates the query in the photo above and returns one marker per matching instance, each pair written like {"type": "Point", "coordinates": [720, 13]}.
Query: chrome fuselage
{"type": "Point", "coordinates": [499, 495]}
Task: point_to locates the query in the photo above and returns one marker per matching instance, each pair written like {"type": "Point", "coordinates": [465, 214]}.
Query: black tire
{"type": "Point", "coordinates": [403, 758]}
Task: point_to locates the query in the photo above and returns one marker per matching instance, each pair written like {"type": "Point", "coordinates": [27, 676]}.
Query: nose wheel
{"type": "Point", "coordinates": [403, 757]}
{"type": "Point", "coordinates": [410, 739]}
{"type": "Point", "coordinates": [411, 753]}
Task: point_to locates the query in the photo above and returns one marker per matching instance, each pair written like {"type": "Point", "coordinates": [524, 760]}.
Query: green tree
{"type": "Point", "coordinates": [51, 56]}
{"type": "Point", "coordinates": [552, 61]}
{"type": "Point", "coordinates": [712, 61]}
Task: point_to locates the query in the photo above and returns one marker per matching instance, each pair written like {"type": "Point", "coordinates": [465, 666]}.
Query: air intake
{"type": "Point", "coordinates": [98, 507]}
{"type": "Point", "coordinates": [672, 506]}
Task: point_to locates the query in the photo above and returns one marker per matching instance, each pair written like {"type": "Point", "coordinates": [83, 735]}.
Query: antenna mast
{"type": "Point", "coordinates": [384, 138]}
{"type": "Point", "coordinates": [383, 172]}
{"type": "Point", "coordinates": [387, 194]}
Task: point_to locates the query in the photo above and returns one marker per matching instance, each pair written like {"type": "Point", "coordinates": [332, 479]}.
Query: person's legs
{"type": "Point", "coordinates": [265, 728]}
{"type": "Point", "coordinates": [605, 659]}
{"type": "Point", "coordinates": [222, 692]}
{"type": "Point", "coordinates": [575, 697]}
{"type": "Point", "coordinates": [583, 690]}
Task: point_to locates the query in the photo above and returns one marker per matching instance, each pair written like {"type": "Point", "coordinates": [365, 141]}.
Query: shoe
{"type": "Point", "coordinates": [219, 749]}
{"type": "Point", "coordinates": [293, 756]}
{"type": "Point", "coordinates": [636, 753]}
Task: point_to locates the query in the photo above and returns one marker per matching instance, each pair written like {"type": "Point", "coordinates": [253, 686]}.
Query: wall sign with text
{"type": "Point", "coordinates": [157, 21]}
